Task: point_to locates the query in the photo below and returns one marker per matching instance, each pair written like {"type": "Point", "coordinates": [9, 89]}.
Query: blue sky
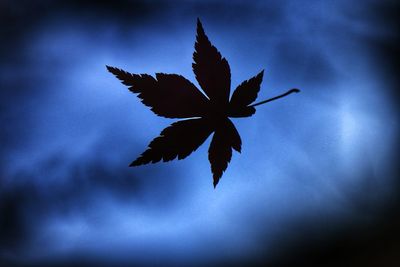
{"type": "Point", "coordinates": [317, 161]}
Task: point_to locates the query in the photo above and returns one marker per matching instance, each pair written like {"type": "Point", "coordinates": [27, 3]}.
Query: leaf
{"type": "Point", "coordinates": [225, 138]}
{"type": "Point", "coordinates": [169, 95]}
{"type": "Point", "coordinates": [180, 139]}
{"type": "Point", "coordinates": [244, 95]}
{"type": "Point", "coordinates": [211, 69]}
{"type": "Point", "coordinates": [173, 96]}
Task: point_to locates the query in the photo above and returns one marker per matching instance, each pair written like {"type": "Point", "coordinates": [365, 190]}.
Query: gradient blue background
{"type": "Point", "coordinates": [317, 178]}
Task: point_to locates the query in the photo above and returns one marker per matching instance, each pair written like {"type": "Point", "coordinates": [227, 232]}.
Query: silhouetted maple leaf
{"type": "Point", "coordinates": [173, 96]}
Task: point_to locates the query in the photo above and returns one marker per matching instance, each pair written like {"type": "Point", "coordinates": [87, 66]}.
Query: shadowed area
{"type": "Point", "coordinates": [316, 181]}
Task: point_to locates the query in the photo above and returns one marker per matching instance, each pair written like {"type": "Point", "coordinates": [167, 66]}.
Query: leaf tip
{"type": "Point", "coordinates": [135, 163]}
{"type": "Point", "coordinates": [200, 30]}
{"type": "Point", "coordinates": [261, 74]}
{"type": "Point", "coordinates": [216, 178]}
{"type": "Point", "coordinates": [215, 183]}
{"type": "Point", "coordinates": [113, 70]}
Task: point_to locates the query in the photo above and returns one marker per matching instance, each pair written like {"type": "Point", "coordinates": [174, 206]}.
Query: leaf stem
{"type": "Point", "coordinates": [294, 90]}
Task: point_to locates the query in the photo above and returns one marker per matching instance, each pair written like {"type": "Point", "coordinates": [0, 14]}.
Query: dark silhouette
{"type": "Point", "coordinates": [173, 96]}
